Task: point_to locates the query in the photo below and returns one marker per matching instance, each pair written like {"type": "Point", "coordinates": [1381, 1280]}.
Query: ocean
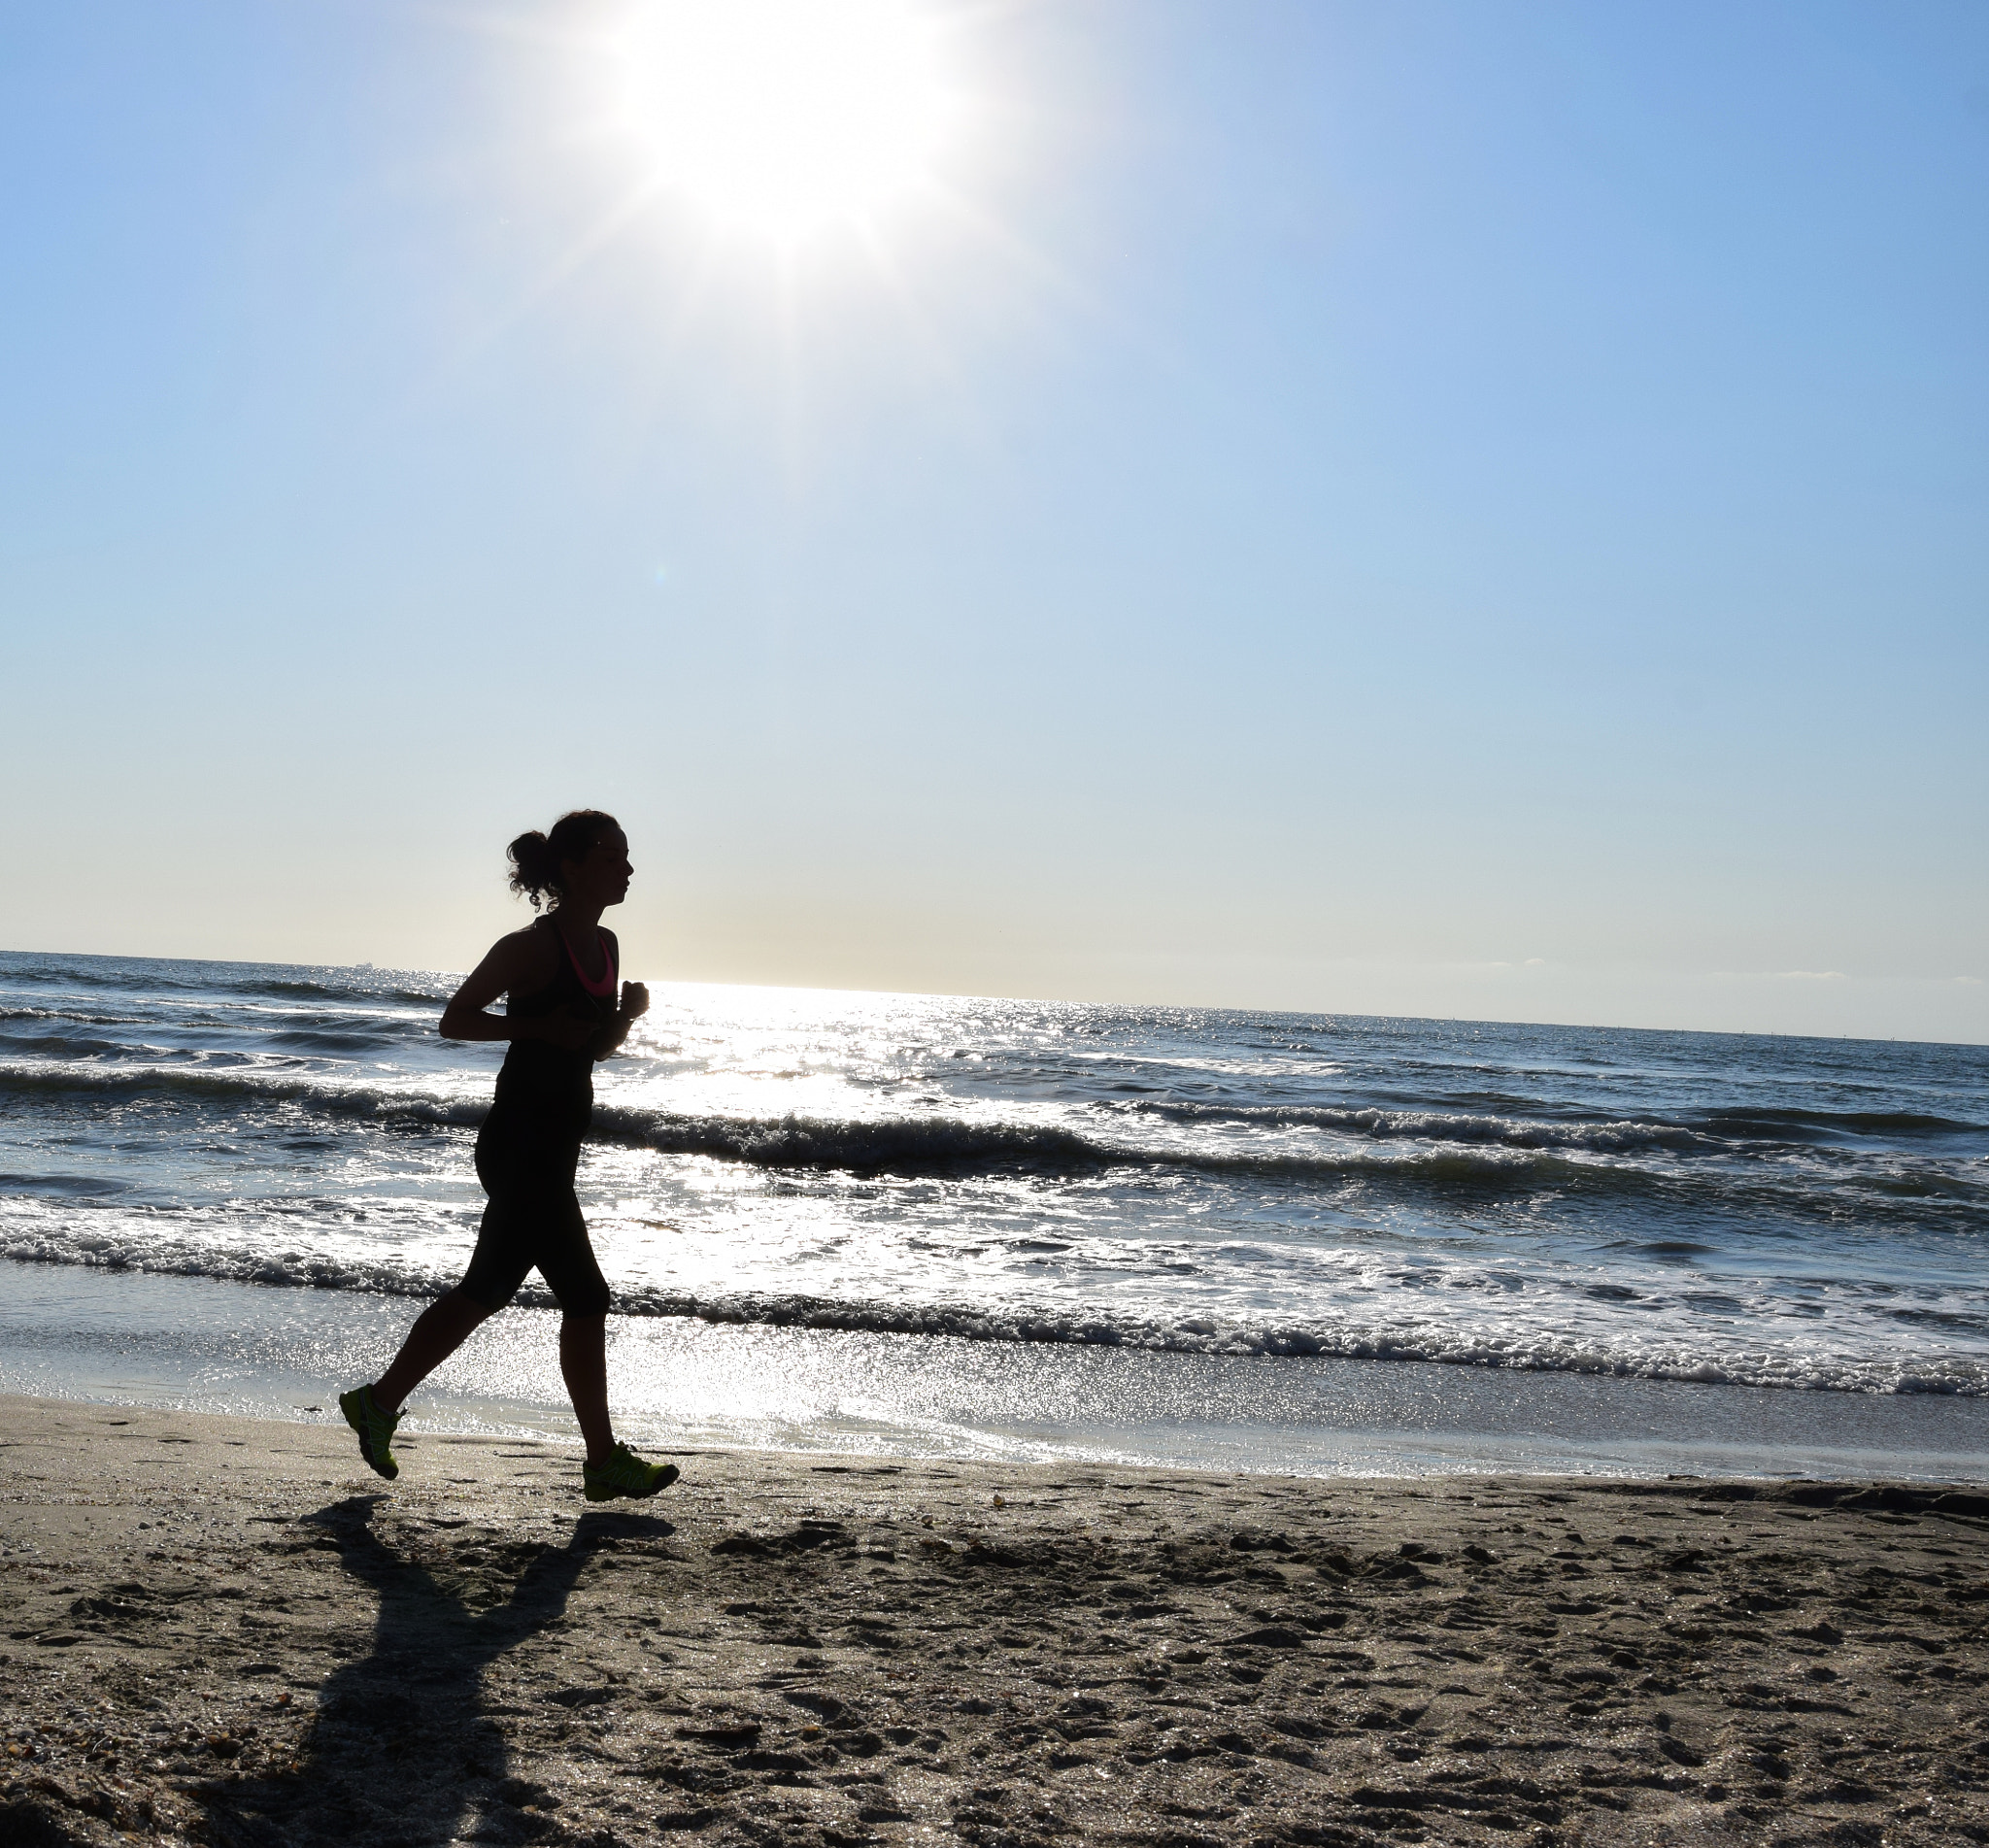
{"type": "Point", "coordinates": [978, 1222]}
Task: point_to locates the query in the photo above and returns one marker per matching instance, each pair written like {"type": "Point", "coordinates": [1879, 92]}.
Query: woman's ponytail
{"type": "Point", "coordinates": [533, 874]}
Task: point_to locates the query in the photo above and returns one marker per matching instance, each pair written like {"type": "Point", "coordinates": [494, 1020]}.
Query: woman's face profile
{"type": "Point", "coordinates": [602, 877]}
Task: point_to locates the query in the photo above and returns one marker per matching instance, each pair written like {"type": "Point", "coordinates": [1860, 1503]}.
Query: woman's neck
{"type": "Point", "coordinates": [570, 915]}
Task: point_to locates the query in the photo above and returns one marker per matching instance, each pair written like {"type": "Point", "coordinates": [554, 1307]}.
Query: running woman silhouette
{"type": "Point", "coordinates": [561, 975]}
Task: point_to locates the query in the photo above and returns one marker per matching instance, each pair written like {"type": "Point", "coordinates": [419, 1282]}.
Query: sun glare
{"type": "Point", "coordinates": [787, 117]}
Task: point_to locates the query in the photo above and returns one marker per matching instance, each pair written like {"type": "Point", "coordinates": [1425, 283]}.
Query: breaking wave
{"type": "Point", "coordinates": [940, 1146]}
{"type": "Point", "coordinates": [1090, 1324]}
{"type": "Point", "coordinates": [1714, 1131]}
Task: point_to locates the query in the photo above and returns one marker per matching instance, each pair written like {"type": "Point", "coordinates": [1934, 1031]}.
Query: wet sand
{"type": "Point", "coordinates": [228, 1631]}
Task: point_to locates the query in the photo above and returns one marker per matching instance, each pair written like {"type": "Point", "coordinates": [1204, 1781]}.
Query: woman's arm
{"type": "Point", "coordinates": [516, 964]}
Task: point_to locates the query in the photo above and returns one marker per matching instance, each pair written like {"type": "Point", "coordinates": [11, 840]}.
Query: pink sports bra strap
{"type": "Point", "coordinates": [605, 989]}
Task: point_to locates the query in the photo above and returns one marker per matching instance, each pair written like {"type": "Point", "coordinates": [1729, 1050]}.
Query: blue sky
{"type": "Point", "coordinates": [1440, 509]}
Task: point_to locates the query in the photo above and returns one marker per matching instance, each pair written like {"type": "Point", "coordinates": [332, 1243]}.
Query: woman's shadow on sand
{"type": "Point", "coordinates": [401, 1745]}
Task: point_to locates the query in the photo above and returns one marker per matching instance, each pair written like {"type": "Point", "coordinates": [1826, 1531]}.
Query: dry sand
{"type": "Point", "coordinates": [228, 1631]}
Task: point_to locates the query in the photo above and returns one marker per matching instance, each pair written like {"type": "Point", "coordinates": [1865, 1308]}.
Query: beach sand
{"type": "Point", "coordinates": [228, 1630]}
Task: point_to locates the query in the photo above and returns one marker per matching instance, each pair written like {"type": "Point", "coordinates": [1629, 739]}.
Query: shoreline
{"type": "Point", "coordinates": [225, 1630]}
{"type": "Point", "coordinates": [138, 1338]}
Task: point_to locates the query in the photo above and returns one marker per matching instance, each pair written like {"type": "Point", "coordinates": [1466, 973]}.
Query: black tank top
{"type": "Point", "coordinates": [537, 1073]}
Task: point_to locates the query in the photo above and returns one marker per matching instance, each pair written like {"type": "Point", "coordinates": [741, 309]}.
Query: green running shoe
{"type": "Point", "coordinates": [624, 1474]}
{"type": "Point", "coordinates": [375, 1427]}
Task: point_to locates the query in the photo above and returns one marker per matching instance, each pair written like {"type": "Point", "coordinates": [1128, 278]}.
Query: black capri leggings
{"type": "Point", "coordinates": [533, 1220]}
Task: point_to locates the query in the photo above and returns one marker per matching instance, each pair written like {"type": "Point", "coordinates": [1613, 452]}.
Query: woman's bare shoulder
{"type": "Point", "coordinates": [523, 954]}
{"type": "Point", "coordinates": [515, 965]}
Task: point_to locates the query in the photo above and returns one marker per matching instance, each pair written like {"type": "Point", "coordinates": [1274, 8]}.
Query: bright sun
{"type": "Point", "coordinates": [787, 117]}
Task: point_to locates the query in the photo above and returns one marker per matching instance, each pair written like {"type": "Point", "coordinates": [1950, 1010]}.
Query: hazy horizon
{"type": "Point", "coordinates": [1129, 1000]}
